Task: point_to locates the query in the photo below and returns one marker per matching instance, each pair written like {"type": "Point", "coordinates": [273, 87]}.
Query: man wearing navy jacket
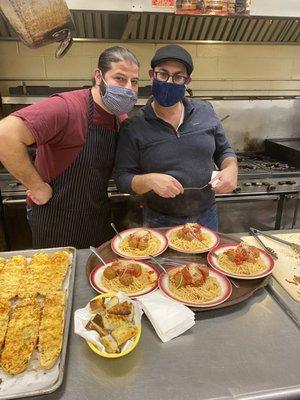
{"type": "Point", "coordinates": [174, 144]}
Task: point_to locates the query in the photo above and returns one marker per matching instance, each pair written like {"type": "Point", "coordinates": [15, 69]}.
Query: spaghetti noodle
{"type": "Point", "coordinates": [245, 268]}
{"type": "Point", "coordinates": [191, 245]}
{"type": "Point", "coordinates": [209, 291]}
{"type": "Point", "coordinates": [146, 280]}
{"type": "Point", "coordinates": [153, 247]}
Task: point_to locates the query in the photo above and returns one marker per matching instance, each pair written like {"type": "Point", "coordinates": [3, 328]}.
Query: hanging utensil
{"type": "Point", "coordinates": [270, 251]}
{"type": "Point", "coordinates": [226, 116]}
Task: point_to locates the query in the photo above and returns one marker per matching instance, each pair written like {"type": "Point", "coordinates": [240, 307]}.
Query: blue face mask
{"type": "Point", "coordinates": [166, 93]}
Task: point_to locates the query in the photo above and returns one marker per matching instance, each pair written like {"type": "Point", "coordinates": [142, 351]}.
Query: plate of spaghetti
{"type": "Point", "coordinates": [131, 277]}
{"type": "Point", "coordinates": [139, 243]}
{"type": "Point", "coordinates": [241, 261]}
{"type": "Point", "coordinates": [196, 285]}
{"type": "Point", "coordinates": [192, 238]}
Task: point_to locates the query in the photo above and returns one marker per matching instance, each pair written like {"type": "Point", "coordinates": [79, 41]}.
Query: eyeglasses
{"type": "Point", "coordinates": [176, 78]}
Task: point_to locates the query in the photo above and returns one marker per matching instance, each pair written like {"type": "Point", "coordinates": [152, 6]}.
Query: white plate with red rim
{"type": "Point", "coordinates": [224, 282]}
{"type": "Point", "coordinates": [116, 240]}
{"type": "Point", "coordinates": [213, 261]}
{"type": "Point", "coordinates": [213, 235]}
{"type": "Point", "coordinates": [96, 274]}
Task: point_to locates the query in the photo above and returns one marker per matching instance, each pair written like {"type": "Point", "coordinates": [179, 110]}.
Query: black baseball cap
{"type": "Point", "coordinates": [173, 52]}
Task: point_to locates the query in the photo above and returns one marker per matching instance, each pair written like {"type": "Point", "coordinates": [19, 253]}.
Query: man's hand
{"type": "Point", "coordinates": [165, 185]}
{"type": "Point", "coordinates": [40, 195]}
{"type": "Point", "coordinates": [162, 184]}
{"type": "Point", "coordinates": [227, 176]}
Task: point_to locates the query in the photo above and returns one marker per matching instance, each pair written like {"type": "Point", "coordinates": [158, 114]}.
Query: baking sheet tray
{"type": "Point", "coordinates": [244, 290]}
{"type": "Point", "coordinates": [68, 309]}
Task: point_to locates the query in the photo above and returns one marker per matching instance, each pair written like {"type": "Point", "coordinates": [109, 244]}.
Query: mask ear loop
{"type": "Point", "coordinates": [102, 85]}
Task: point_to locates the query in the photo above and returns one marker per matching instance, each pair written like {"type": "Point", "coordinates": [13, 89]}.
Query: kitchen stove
{"type": "Point", "coordinates": [264, 165]}
{"type": "Point", "coordinates": [267, 197]}
{"type": "Point", "coordinates": [258, 174]}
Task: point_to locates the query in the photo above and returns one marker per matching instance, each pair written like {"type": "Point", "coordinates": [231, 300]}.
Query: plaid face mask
{"type": "Point", "coordinates": [119, 100]}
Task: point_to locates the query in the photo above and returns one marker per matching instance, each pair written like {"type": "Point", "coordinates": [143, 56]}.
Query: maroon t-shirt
{"type": "Point", "coordinates": [59, 126]}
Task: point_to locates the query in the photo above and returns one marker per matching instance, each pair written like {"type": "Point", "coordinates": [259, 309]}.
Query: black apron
{"type": "Point", "coordinates": [78, 214]}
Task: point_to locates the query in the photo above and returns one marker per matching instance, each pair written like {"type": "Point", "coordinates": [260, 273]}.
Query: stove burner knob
{"type": "Point", "coordinates": [237, 189]}
{"type": "Point", "coordinates": [282, 182]}
{"type": "Point", "coordinates": [258, 184]}
{"type": "Point", "coordinates": [271, 187]}
{"type": "Point", "coordinates": [266, 183]}
{"type": "Point", "coordinates": [290, 182]}
{"type": "Point", "coordinates": [247, 184]}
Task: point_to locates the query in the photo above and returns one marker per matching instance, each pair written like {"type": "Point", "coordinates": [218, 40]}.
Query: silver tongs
{"type": "Point", "coordinates": [270, 251]}
{"type": "Point", "coordinates": [294, 246]}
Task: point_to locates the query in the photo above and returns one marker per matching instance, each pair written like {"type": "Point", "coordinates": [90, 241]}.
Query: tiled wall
{"type": "Point", "coordinates": [219, 68]}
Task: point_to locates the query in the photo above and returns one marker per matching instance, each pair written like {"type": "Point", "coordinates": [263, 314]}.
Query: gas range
{"type": "Point", "coordinates": [261, 174]}
{"type": "Point", "coordinates": [258, 175]}
{"type": "Point", "coordinates": [10, 187]}
{"type": "Point", "coordinates": [259, 163]}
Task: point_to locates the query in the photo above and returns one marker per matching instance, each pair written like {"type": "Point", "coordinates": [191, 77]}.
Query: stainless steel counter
{"type": "Point", "coordinates": [248, 351]}
{"type": "Point", "coordinates": [291, 307]}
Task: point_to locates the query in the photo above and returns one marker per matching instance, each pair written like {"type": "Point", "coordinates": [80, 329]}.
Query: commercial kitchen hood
{"type": "Point", "coordinates": [155, 26]}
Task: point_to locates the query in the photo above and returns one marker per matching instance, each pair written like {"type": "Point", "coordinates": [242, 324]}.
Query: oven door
{"type": "Point", "coordinates": [237, 214]}
{"type": "Point", "coordinates": [16, 229]}
{"type": "Point", "coordinates": [291, 212]}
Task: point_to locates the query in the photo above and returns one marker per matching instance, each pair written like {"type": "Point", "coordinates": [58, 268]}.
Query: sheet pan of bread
{"type": "Point", "coordinates": [36, 288]}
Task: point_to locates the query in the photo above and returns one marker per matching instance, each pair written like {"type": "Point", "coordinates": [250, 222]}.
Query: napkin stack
{"type": "Point", "coordinates": [217, 181]}
{"type": "Point", "coordinates": [168, 317]}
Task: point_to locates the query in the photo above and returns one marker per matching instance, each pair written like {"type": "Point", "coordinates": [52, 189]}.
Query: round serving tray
{"type": "Point", "coordinates": [245, 288]}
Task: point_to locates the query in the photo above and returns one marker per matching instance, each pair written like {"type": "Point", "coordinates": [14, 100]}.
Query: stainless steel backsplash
{"type": "Point", "coordinates": [253, 121]}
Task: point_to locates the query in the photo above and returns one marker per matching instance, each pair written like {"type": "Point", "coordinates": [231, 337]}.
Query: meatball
{"type": "Point", "coordinates": [204, 271]}
{"type": "Point", "coordinates": [178, 280]}
{"type": "Point", "coordinates": [126, 279]}
{"type": "Point", "coordinates": [190, 231]}
{"type": "Point", "coordinates": [110, 272]}
{"type": "Point", "coordinates": [139, 239]}
{"type": "Point", "coordinates": [135, 269]}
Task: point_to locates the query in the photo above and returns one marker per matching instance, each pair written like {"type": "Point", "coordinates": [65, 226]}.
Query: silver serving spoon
{"type": "Point", "coordinates": [159, 264]}
{"type": "Point", "coordinates": [197, 188]}
{"type": "Point", "coordinates": [116, 230]}
{"type": "Point", "coordinates": [94, 250]}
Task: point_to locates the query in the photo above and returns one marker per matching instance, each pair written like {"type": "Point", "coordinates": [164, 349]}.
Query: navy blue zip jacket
{"type": "Point", "coordinates": [148, 144]}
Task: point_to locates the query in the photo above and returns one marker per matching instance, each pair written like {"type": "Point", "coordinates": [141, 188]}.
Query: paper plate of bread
{"type": "Point", "coordinates": [111, 324]}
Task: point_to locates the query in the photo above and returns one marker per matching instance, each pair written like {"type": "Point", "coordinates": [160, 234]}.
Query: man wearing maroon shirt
{"type": "Point", "coordinates": [75, 135]}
